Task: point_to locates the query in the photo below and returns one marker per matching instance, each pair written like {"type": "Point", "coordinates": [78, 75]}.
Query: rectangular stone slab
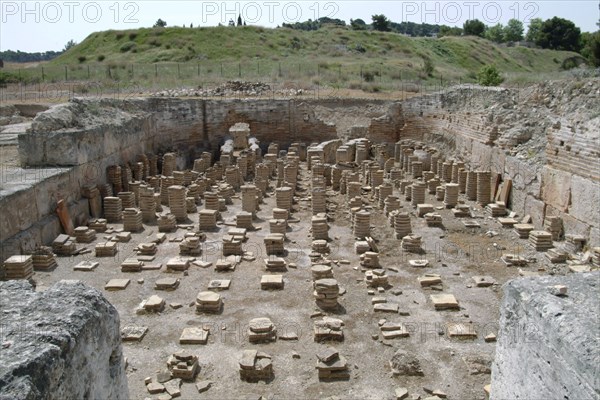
{"type": "Point", "coordinates": [483, 281]}
{"type": "Point", "coordinates": [117, 284]}
{"type": "Point", "coordinates": [327, 354]}
{"type": "Point", "coordinates": [86, 266]}
{"type": "Point", "coordinates": [193, 335]}
{"type": "Point", "coordinates": [386, 307]}
{"type": "Point", "coordinates": [400, 333]}
{"type": "Point", "coordinates": [248, 358]}
{"type": "Point", "coordinates": [444, 301]}
{"type": "Point", "coordinates": [133, 333]}
{"type": "Point", "coordinates": [461, 331]}
{"type": "Point", "coordinates": [426, 281]}
{"type": "Point", "coordinates": [151, 267]}
{"type": "Point", "coordinates": [219, 284]}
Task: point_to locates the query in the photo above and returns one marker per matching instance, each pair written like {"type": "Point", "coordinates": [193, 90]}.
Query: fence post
{"type": "Point", "coordinates": [258, 68]}
{"type": "Point", "coordinates": [361, 73]}
{"type": "Point", "coordinates": [132, 71]}
{"type": "Point", "coordinates": [42, 74]}
{"type": "Point", "coordinates": [198, 69]}
{"type": "Point", "coordinates": [280, 69]}
{"type": "Point", "coordinates": [239, 69]}
{"type": "Point", "coordinates": [178, 72]}
{"type": "Point", "coordinates": [88, 69]}
{"type": "Point", "coordinates": [156, 70]}
{"type": "Point", "coordinates": [66, 74]}
{"type": "Point", "coordinates": [221, 69]}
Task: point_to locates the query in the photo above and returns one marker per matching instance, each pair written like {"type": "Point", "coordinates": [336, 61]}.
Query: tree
{"type": "Point", "coordinates": [513, 32]}
{"type": "Point", "coordinates": [71, 43]}
{"type": "Point", "coordinates": [239, 21]}
{"type": "Point", "coordinates": [559, 34]}
{"type": "Point", "coordinates": [533, 32]}
{"type": "Point", "coordinates": [231, 22]}
{"type": "Point", "coordinates": [333, 21]}
{"type": "Point", "coordinates": [489, 76]}
{"type": "Point", "coordinates": [495, 33]}
{"type": "Point", "coordinates": [191, 25]}
{"type": "Point", "coordinates": [358, 24]}
{"type": "Point", "coordinates": [590, 47]}
{"type": "Point", "coordinates": [160, 23]}
{"type": "Point", "coordinates": [446, 30]}
{"type": "Point", "coordinates": [381, 23]}
{"type": "Point", "coordinates": [473, 27]}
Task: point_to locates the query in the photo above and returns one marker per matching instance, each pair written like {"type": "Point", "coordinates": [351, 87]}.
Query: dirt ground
{"type": "Point", "coordinates": [455, 252]}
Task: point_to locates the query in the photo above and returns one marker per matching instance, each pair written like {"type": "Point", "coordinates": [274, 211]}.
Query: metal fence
{"type": "Point", "coordinates": [121, 80]}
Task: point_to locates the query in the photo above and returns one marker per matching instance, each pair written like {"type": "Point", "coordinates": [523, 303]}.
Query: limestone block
{"type": "Point", "coordinates": [585, 197]}
{"type": "Point", "coordinates": [78, 357]}
{"type": "Point", "coordinates": [536, 208]}
{"type": "Point", "coordinates": [525, 177]}
{"type": "Point", "coordinates": [556, 188]}
{"type": "Point", "coordinates": [532, 324]}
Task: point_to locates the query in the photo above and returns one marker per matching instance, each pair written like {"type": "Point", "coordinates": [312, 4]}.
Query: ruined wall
{"type": "Point", "coordinates": [62, 343]}
{"type": "Point", "coordinates": [547, 345]}
{"type": "Point", "coordinates": [28, 201]}
{"type": "Point", "coordinates": [551, 153]}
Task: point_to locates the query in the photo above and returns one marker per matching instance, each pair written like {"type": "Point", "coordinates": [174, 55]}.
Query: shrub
{"type": "Point", "coordinates": [428, 66]}
{"type": "Point", "coordinates": [7, 77]}
{"type": "Point", "coordinates": [572, 62]}
{"type": "Point", "coordinates": [489, 76]}
{"type": "Point", "coordinates": [100, 57]}
{"type": "Point", "coordinates": [372, 88]}
{"type": "Point", "coordinates": [81, 59]}
{"type": "Point", "coordinates": [127, 47]}
{"type": "Point", "coordinates": [359, 48]}
{"type": "Point", "coordinates": [132, 35]}
{"type": "Point", "coordinates": [295, 43]}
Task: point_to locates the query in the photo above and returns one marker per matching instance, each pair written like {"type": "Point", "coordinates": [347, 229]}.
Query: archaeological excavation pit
{"type": "Point", "coordinates": [301, 248]}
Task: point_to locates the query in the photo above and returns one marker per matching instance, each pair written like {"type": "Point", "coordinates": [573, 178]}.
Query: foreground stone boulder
{"type": "Point", "coordinates": [404, 363]}
{"type": "Point", "coordinates": [62, 343]}
{"type": "Point", "coordinates": [548, 339]}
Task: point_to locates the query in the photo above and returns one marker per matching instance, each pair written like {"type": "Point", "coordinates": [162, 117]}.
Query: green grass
{"type": "Point", "coordinates": [333, 56]}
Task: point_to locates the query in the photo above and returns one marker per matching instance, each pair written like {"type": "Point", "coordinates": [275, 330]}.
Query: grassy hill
{"type": "Point", "coordinates": [331, 55]}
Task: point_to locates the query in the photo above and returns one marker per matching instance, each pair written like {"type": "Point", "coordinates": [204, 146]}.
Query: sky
{"type": "Point", "coordinates": [36, 26]}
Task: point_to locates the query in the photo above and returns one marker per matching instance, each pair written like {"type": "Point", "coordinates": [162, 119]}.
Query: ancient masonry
{"type": "Point", "coordinates": [189, 205]}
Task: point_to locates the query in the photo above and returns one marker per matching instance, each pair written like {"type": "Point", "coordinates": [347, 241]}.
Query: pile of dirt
{"type": "Point", "coordinates": [230, 89]}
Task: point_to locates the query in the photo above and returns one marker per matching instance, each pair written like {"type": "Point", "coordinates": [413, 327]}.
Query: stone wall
{"type": "Point", "coordinates": [552, 156]}
{"type": "Point", "coordinates": [548, 345]}
{"type": "Point", "coordinates": [62, 343]}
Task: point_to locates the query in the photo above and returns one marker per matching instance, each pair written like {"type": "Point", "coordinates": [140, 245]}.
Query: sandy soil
{"type": "Point", "coordinates": [455, 252]}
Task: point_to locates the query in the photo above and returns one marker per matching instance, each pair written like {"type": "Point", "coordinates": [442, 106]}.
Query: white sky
{"type": "Point", "coordinates": [47, 25]}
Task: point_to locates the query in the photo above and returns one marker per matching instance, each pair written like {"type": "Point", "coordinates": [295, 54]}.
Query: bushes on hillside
{"type": "Point", "coordinates": [489, 76]}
